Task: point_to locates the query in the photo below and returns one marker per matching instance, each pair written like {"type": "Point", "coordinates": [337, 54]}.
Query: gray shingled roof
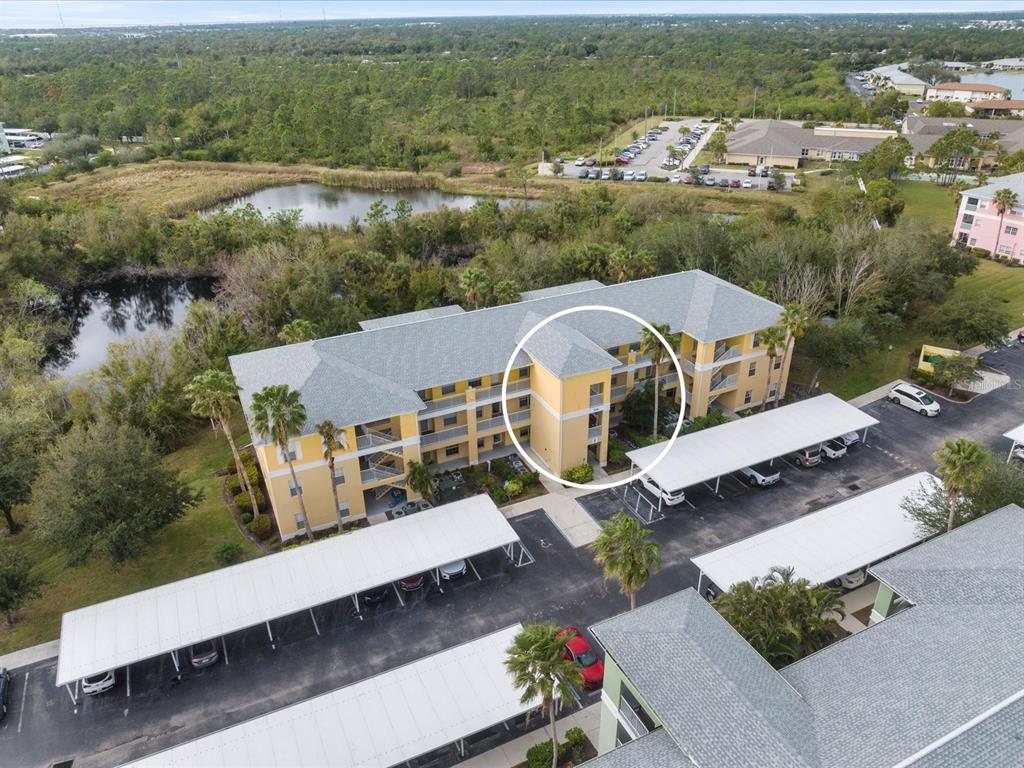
{"type": "Point", "coordinates": [782, 139]}
{"type": "Point", "coordinates": [560, 290]}
{"type": "Point", "coordinates": [655, 750]}
{"type": "Point", "coordinates": [562, 349]}
{"type": "Point", "coordinates": [394, 362]}
{"type": "Point", "coordinates": [716, 696]}
{"type": "Point", "coordinates": [872, 700]}
{"type": "Point", "coordinates": [411, 317]}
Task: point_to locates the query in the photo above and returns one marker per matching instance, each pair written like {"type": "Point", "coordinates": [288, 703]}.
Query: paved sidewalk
{"type": "Point", "coordinates": [31, 655]}
{"type": "Point", "coordinates": [514, 752]}
{"type": "Point", "coordinates": [875, 394]}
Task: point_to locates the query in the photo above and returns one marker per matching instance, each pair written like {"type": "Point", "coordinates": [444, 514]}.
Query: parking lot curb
{"type": "Point", "coordinates": [31, 655]}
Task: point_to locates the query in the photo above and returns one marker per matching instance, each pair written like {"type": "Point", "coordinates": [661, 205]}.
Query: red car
{"type": "Point", "coordinates": [578, 649]}
{"type": "Point", "coordinates": [751, 172]}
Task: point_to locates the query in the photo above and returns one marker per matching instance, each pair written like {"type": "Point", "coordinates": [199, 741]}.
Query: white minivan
{"type": "Point", "coordinates": [914, 399]}
{"type": "Point", "coordinates": [669, 497]}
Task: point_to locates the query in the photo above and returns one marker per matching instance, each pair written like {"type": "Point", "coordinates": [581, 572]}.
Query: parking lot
{"type": "Point", "coordinates": [563, 585]}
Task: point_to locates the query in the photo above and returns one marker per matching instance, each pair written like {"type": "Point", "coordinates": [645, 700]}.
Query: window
{"type": "Point", "coordinates": [448, 389]}
{"type": "Point", "coordinates": [804, 152]}
{"type": "Point", "coordinates": [757, 340]}
{"type": "Point", "coordinates": [480, 442]}
{"type": "Point", "coordinates": [451, 420]}
{"type": "Point", "coordinates": [748, 396]}
{"type": "Point", "coordinates": [752, 370]}
{"type": "Point", "coordinates": [524, 373]}
{"type": "Point", "coordinates": [524, 401]}
{"type": "Point", "coordinates": [634, 347]}
{"type": "Point", "coordinates": [479, 413]}
{"type": "Point", "coordinates": [295, 487]}
{"type": "Point", "coordinates": [475, 382]}
{"type": "Point", "coordinates": [426, 426]}
{"type": "Point", "coordinates": [343, 509]}
{"type": "Point", "coordinates": [1005, 250]}
{"type": "Point", "coordinates": [300, 522]}
{"type": "Point", "coordinates": [495, 409]}
{"type": "Point", "coordinates": [496, 439]}
{"type": "Point", "coordinates": [973, 241]}
{"type": "Point", "coordinates": [451, 450]}
{"type": "Point", "coordinates": [773, 391]}
{"type": "Point", "coordinates": [778, 362]}
{"type": "Point", "coordinates": [524, 432]}
{"type": "Point", "coordinates": [1010, 230]}
{"type": "Point", "coordinates": [294, 453]}
{"type": "Point", "coordinates": [339, 475]}
{"type": "Point", "coordinates": [966, 221]}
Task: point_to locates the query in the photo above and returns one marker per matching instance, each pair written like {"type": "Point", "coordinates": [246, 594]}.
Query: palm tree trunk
{"type": "Point", "coordinates": [334, 490]}
{"type": "Point", "coordinates": [632, 599]}
{"type": "Point", "coordinates": [239, 466]}
{"type": "Point", "coordinates": [951, 500]}
{"type": "Point", "coordinates": [999, 235]}
{"type": "Point", "coordinates": [790, 344]}
{"type": "Point", "coordinates": [554, 733]}
{"type": "Point", "coordinates": [298, 488]}
{"type": "Point", "coordinates": [655, 362]}
{"type": "Point", "coordinates": [768, 383]}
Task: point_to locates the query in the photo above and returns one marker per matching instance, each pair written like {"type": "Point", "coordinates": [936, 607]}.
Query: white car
{"type": "Point", "coordinates": [834, 449]}
{"type": "Point", "coordinates": [675, 178]}
{"type": "Point", "coordinates": [606, 174]}
{"type": "Point", "coordinates": [850, 438]}
{"type": "Point", "coordinates": [853, 579]}
{"type": "Point", "coordinates": [709, 181]}
{"type": "Point", "coordinates": [96, 684]}
{"type": "Point", "coordinates": [914, 399]}
{"type": "Point", "coordinates": [641, 175]}
{"type": "Point", "coordinates": [747, 184]}
{"type": "Point", "coordinates": [669, 497]}
{"type": "Point", "coordinates": [628, 175]}
{"type": "Point", "coordinates": [762, 474]}
{"type": "Point", "coordinates": [1018, 453]}
{"type": "Point", "coordinates": [580, 161]}
{"type": "Point", "coordinates": [454, 570]}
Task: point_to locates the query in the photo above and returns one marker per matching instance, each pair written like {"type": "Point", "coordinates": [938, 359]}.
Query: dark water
{"type": "Point", "coordinates": [119, 311]}
{"type": "Point", "coordinates": [337, 206]}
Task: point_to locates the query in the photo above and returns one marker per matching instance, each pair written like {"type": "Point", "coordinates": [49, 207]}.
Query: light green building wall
{"type": "Point", "coordinates": [612, 686]}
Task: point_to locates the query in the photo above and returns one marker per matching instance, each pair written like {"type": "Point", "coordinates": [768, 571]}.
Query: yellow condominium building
{"type": "Point", "coordinates": [426, 386]}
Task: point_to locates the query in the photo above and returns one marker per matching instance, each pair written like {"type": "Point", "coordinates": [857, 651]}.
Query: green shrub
{"type": "Point", "coordinates": [234, 483]}
{"type": "Point", "coordinates": [616, 451]}
{"type": "Point", "coordinates": [503, 470]}
{"type": "Point", "coordinates": [514, 488]}
{"type": "Point", "coordinates": [577, 741]}
{"type": "Point", "coordinates": [261, 526]}
{"type": "Point", "coordinates": [539, 755]}
{"type": "Point", "coordinates": [244, 504]}
{"type": "Point", "coordinates": [584, 473]}
{"type": "Point", "coordinates": [922, 376]}
{"type": "Point", "coordinates": [246, 518]}
{"type": "Point", "coordinates": [228, 554]}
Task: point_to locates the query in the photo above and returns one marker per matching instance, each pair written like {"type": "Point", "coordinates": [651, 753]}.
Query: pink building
{"type": "Point", "coordinates": [978, 223]}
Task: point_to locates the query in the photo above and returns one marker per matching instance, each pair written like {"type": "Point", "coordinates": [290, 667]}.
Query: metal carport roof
{"type": "Point", "coordinates": [710, 453]}
{"type": "Point", "coordinates": [378, 722]}
{"type": "Point", "coordinates": [145, 624]}
{"type": "Point", "coordinates": [1016, 435]}
{"type": "Point", "coordinates": [823, 545]}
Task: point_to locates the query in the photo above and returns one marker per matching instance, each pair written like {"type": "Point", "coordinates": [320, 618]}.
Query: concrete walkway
{"type": "Point", "coordinates": [560, 505]}
{"type": "Point", "coordinates": [514, 752]}
{"type": "Point", "coordinates": [31, 655]}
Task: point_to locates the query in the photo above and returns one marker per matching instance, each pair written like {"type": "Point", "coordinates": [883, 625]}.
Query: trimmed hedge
{"type": "Point", "coordinates": [261, 526]}
{"type": "Point", "coordinates": [584, 473]}
{"type": "Point", "coordinates": [228, 554]}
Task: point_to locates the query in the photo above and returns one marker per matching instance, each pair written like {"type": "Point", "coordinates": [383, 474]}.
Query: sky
{"type": "Point", "coordinates": [53, 14]}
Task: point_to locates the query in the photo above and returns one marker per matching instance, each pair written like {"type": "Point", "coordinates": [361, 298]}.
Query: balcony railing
{"type": "Point", "coordinates": [371, 438]}
{"type": "Point", "coordinates": [379, 472]}
{"type": "Point", "coordinates": [443, 403]}
{"type": "Point", "coordinates": [494, 392]}
{"type": "Point", "coordinates": [722, 382]}
{"type": "Point", "coordinates": [618, 392]}
{"type": "Point", "coordinates": [594, 433]}
{"type": "Point", "coordinates": [497, 421]}
{"type": "Point", "coordinates": [634, 725]}
{"type": "Point", "coordinates": [444, 434]}
{"type": "Point", "coordinates": [726, 353]}
{"type": "Point", "coordinates": [596, 398]}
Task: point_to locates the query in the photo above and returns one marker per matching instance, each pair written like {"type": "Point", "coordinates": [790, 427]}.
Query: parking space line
{"type": "Point", "coordinates": [24, 702]}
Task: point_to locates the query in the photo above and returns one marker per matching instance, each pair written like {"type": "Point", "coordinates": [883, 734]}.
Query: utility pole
{"type": "Point", "coordinates": [753, 112]}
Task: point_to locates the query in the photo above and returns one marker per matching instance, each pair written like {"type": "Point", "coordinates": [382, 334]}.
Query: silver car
{"type": "Point", "coordinates": [96, 684]}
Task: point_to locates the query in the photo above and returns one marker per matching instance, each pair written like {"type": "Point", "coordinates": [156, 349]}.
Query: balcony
{"type": "Point", "coordinates": [496, 422]}
{"type": "Point", "coordinates": [494, 393]}
{"type": "Point", "coordinates": [594, 434]}
{"type": "Point", "coordinates": [444, 435]}
{"type": "Point", "coordinates": [596, 399]}
{"type": "Point", "coordinates": [371, 438]}
{"type": "Point", "coordinates": [618, 392]}
{"type": "Point", "coordinates": [443, 404]}
{"type": "Point", "coordinates": [720, 383]}
{"type": "Point", "coordinates": [723, 353]}
{"type": "Point", "coordinates": [379, 472]}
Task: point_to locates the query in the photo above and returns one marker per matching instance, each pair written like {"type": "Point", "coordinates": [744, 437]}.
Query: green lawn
{"type": "Point", "coordinates": [886, 364]}
{"type": "Point", "coordinates": [929, 202]}
{"type": "Point", "coordinates": [183, 549]}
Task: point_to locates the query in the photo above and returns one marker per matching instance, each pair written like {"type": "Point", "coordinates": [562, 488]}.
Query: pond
{"type": "Point", "coordinates": [337, 206]}
{"type": "Point", "coordinates": [118, 311]}
{"type": "Point", "coordinates": [1012, 80]}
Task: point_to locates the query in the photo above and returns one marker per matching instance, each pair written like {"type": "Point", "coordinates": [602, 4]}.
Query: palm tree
{"type": "Point", "coordinates": [421, 481]}
{"type": "Point", "coordinates": [624, 550]}
{"type": "Point", "coordinates": [651, 346]}
{"type": "Point", "coordinates": [334, 440]}
{"type": "Point", "coordinates": [474, 283]}
{"type": "Point", "coordinates": [213, 394]}
{"type": "Point", "coordinates": [774, 339]}
{"type": "Point", "coordinates": [1004, 200]}
{"type": "Point", "coordinates": [794, 319]}
{"type": "Point", "coordinates": [783, 618]}
{"type": "Point", "coordinates": [278, 413]}
{"type": "Point", "coordinates": [961, 464]}
{"type": "Point", "coordinates": [539, 668]}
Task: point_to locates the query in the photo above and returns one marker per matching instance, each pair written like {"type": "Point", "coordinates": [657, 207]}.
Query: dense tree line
{"type": "Point", "coordinates": [414, 96]}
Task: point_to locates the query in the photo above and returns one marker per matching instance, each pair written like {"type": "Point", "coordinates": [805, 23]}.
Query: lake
{"type": "Point", "coordinates": [1012, 80]}
{"type": "Point", "coordinates": [336, 206]}
{"type": "Point", "coordinates": [119, 311]}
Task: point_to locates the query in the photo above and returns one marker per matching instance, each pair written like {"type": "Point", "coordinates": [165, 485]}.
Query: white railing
{"type": "Point", "coordinates": [494, 392]}
{"type": "Point", "coordinates": [451, 401]}
{"type": "Point", "coordinates": [594, 432]}
{"type": "Point", "coordinates": [497, 421]}
{"type": "Point", "coordinates": [444, 434]}
{"type": "Point", "coordinates": [634, 725]}
{"type": "Point", "coordinates": [723, 382]}
{"type": "Point", "coordinates": [372, 438]}
{"type": "Point", "coordinates": [596, 399]}
{"type": "Point", "coordinates": [727, 353]}
{"type": "Point", "coordinates": [618, 392]}
{"type": "Point", "coordinates": [379, 472]}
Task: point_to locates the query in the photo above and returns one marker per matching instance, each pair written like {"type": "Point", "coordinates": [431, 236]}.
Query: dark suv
{"type": "Point", "coordinates": [5, 691]}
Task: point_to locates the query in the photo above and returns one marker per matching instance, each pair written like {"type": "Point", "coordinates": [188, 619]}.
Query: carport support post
{"type": "Point", "coordinates": [270, 634]}
{"type": "Point", "coordinates": [718, 481]}
{"type": "Point", "coordinates": [315, 625]}
{"type": "Point", "coordinates": [174, 658]}
{"type": "Point", "coordinates": [1009, 456]}
{"type": "Point", "coordinates": [355, 602]}
{"type": "Point", "coordinates": [864, 439]}
{"type": "Point", "coordinates": [700, 580]}
{"type": "Point", "coordinates": [74, 698]}
{"type": "Point", "coordinates": [128, 680]}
